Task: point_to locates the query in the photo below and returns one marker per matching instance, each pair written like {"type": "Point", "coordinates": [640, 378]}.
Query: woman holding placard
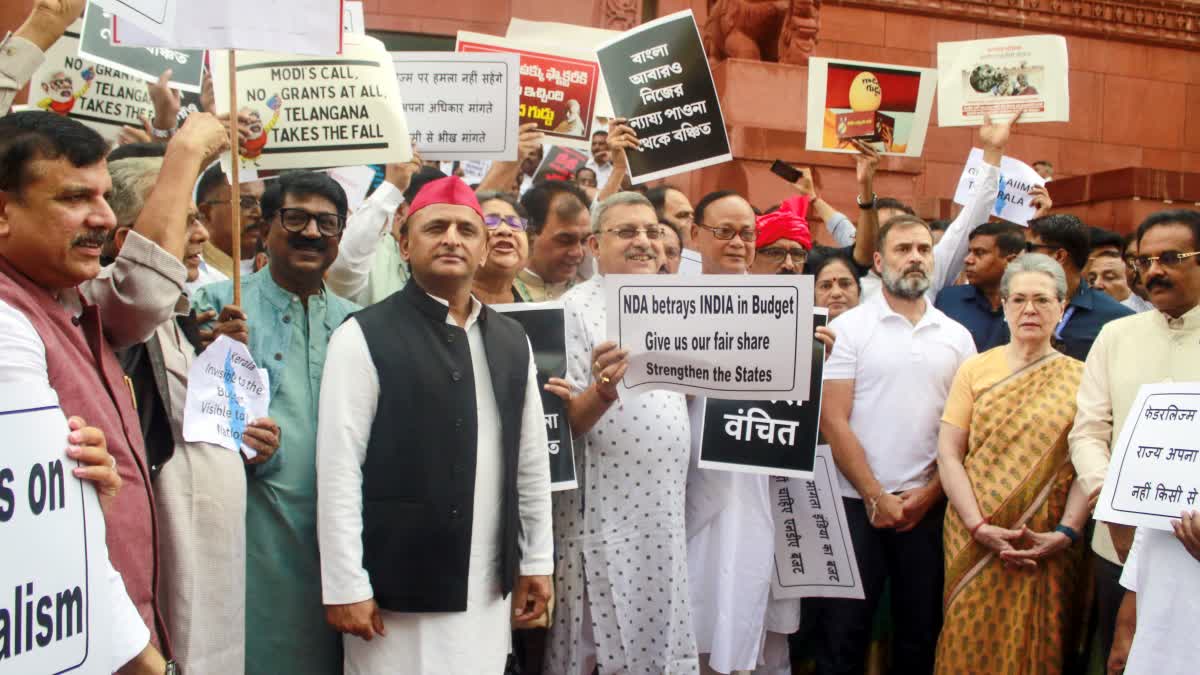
{"type": "Point", "coordinates": [1012, 540]}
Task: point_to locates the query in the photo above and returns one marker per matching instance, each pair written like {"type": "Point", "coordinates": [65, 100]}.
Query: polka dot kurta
{"type": "Point", "coordinates": [619, 538]}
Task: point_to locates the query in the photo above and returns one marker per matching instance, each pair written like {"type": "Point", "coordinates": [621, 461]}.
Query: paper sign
{"type": "Point", "coordinates": [546, 328]}
{"type": "Point", "coordinates": [814, 555]}
{"type": "Point", "coordinates": [657, 76]}
{"type": "Point", "coordinates": [733, 337]}
{"type": "Point", "coordinates": [226, 392]}
{"type": "Point", "coordinates": [156, 17]}
{"type": "Point", "coordinates": [310, 114]}
{"type": "Point", "coordinates": [1002, 76]}
{"type": "Point", "coordinates": [474, 171]}
{"type": "Point", "coordinates": [311, 27]}
{"type": "Point", "coordinates": [460, 106]}
{"type": "Point", "coordinates": [559, 163]}
{"type": "Point", "coordinates": [356, 181]}
{"type": "Point", "coordinates": [901, 97]}
{"type": "Point", "coordinates": [553, 36]}
{"type": "Point", "coordinates": [1014, 202]}
{"type": "Point", "coordinates": [557, 89]}
{"type": "Point", "coordinates": [352, 18]}
{"type": "Point", "coordinates": [54, 611]}
{"type": "Point", "coordinates": [147, 63]}
{"type": "Point", "coordinates": [777, 438]}
{"type": "Point", "coordinates": [1154, 472]}
{"type": "Point", "coordinates": [101, 97]}
{"type": "Point", "coordinates": [690, 262]}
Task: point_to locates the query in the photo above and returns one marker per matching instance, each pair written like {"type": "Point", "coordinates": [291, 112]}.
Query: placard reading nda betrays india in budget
{"type": "Point", "coordinates": [730, 337]}
{"type": "Point", "coordinates": [317, 113]}
{"type": "Point", "coordinates": [54, 598]}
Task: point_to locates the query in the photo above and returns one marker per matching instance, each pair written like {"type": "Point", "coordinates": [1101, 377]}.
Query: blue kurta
{"type": "Point", "coordinates": [285, 618]}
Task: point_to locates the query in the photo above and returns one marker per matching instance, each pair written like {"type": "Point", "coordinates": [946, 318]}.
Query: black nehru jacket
{"type": "Point", "coordinates": [419, 474]}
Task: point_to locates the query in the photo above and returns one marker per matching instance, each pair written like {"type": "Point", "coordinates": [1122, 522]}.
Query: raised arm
{"type": "Point", "coordinates": [23, 53]}
{"type": "Point", "coordinates": [621, 139]}
{"type": "Point", "coordinates": [502, 175]}
{"type": "Point", "coordinates": [865, 164]}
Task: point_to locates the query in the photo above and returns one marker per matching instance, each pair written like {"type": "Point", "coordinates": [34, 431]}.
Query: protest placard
{"type": "Point", "coordinates": [777, 438]}
{"type": "Point", "coordinates": [552, 36]}
{"type": "Point", "coordinates": [557, 89]}
{"type": "Point", "coordinates": [814, 555]}
{"type": "Point", "coordinates": [53, 570]}
{"type": "Point", "coordinates": [734, 337]}
{"type": "Point", "coordinates": [1014, 202]}
{"type": "Point", "coordinates": [474, 171]}
{"type": "Point", "coordinates": [460, 105]}
{"type": "Point", "coordinates": [885, 105]}
{"type": "Point", "coordinates": [226, 392]}
{"type": "Point", "coordinates": [545, 326]}
{"type": "Point", "coordinates": [690, 262]}
{"type": "Point", "coordinates": [315, 114]}
{"type": "Point", "coordinates": [559, 163]}
{"type": "Point", "coordinates": [1001, 77]}
{"type": "Point", "coordinates": [356, 181]}
{"type": "Point", "coordinates": [99, 96]}
{"type": "Point", "coordinates": [147, 63]}
{"type": "Point", "coordinates": [311, 27]}
{"type": "Point", "coordinates": [353, 20]}
{"type": "Point", "coordinates": [156, 17]}
{"type": "Point", "coordinates": [1154, 472]}
{"type": "Point", "coordinates": [657, 77]}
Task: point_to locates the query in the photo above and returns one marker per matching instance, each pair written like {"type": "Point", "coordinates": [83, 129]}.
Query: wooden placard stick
{"type": "Point", "coordinates": [235, 188]}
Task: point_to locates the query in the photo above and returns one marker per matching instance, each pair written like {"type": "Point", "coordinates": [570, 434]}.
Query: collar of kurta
{"type": "Point", "coordinates": [1190, 321]}
{"type": "Point", "coordinates": [431, 307]}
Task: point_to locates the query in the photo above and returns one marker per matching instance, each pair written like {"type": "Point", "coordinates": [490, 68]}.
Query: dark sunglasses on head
{"type": "Point", "coordinates": [1031, 247]}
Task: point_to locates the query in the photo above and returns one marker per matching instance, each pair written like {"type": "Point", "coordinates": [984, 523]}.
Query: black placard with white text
{"type": "Point", "coordinates": [658, 78]}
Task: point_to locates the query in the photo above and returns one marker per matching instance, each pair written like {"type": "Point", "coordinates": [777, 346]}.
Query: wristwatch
{"type": "Point", "coordinates": [173, 668]}
{"type": "Point", "coordinates": [869, 205]}
{"type": "Point", "coordinates": [159, 133]}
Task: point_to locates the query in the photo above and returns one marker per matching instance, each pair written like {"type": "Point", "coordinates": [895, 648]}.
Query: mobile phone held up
{"type": "Point", "coordinates": [786, 171]}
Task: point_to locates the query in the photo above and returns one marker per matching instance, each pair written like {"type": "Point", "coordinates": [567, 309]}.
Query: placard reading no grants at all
{"type": "Point", "coordinates": [732, 337]}
{"type": "Point", "coordinates": [317, 113]}
{"type": "Point", "coordinates": [658, 78]}
{"type": "Point", "coordinates": [1154, 472]}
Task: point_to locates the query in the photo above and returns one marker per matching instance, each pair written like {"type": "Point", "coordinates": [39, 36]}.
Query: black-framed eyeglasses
{"type": "Point", "coordinates": [515, 222]}
{"type": "Point", "coordinates": [777, 254]}
{"type": "Point", "coordinates": [652, 232]}
{"type": "Point", "coordinates": [1166, 259]}
{"type": "Point", "coordinates": [1031, 247]}
{"type": "Point", "coordinates": [725, 233]}
{"type": "Point", "coordinates": [296, 220]}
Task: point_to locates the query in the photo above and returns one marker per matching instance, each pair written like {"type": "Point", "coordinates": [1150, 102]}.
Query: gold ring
{"type": "Point", "coordinates": [605, 379]}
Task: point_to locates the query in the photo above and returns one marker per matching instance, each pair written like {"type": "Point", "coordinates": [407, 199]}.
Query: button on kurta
{"type": "Point", "coordinates": [456, 376]}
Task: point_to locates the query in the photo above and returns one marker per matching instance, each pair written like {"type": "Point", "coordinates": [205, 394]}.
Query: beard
{"type": "Point", "coordinates": [904, 286]}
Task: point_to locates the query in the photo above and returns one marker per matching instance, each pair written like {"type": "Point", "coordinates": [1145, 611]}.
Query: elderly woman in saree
{"type": "Point", "coordinates": [1012, 549]}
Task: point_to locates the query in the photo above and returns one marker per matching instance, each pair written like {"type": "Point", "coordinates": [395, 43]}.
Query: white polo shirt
{"type": "Point", "coordinates": [1165, 577]}
{"type": "Point", "coordinates": [902, 374]}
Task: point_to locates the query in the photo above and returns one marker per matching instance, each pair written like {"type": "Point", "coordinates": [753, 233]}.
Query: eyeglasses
{"type": "Point", "coordinates": [1040, 302]}
{"type": "Point", "coordinates": [297, 220]}
{"type": "Point", "coordinates": [725, 233]}
{"type": "Point", "coordinates": [195, 218]}
{"type": "Point", "coordinates": [652, 232]}
{"type": "Point", "coordinates": [777, 254]}
{"type": "Point", "coordinates": [1030, 247]}
{"type": "Point", "coordinates": [1167, 259]}
{"type": "Point", "coordinates": [247, 203]}
{"type": "Point", "coordinates": [515, 222]}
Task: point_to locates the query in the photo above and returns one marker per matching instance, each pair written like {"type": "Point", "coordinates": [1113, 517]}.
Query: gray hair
{"type": "Point", "coordinates": [619, 199]}
{"type": "Point", "coordinates": [1038, 263]}
{"type": "Point", "coordinates": [132, 179]}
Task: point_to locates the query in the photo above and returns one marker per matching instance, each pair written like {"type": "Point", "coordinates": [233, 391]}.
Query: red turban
{"type": "Point", "coordinates": [448, 190]}
{"type": "Point", "coordinates": [789, 222]}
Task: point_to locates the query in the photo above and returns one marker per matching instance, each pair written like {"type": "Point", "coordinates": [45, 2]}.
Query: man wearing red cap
{"type": "Point", "coordinates": [433, 512]}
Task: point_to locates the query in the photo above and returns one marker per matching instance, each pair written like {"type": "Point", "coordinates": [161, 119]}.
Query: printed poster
{"type": "Point", "coordinates": [1154, 472]}
{"type": "Point", "coordinates": [559, 163]}
{"type": "Point", "coordinates": [312, 27]}
{"type": "Point", "coordinates": [314, 114]}
{"type": "Point", "coordinates": [54, 612]}
{"type": "Point", "coordinates": [895, 101]}
{"type": "Point", "coordinates": [1001, 77]}
{"type": "Point", "coordinates": [772, 437]}
{"type": "Point", "coordinates": [1014, 202]}
{"type": "Point", "coordinates": [546, 328]}
{"type": "Point", "coordinates": [147, 63]}
{"type": "Point", "coordinates": [226, 392]}
{"type": "Point", "coordinates": [460, 105]}
{"type": "Point", "coordinates": [814, 555]}
{"type": "Point", "coordinates": [558, 88]}
{"type": "Point", "coordinates": [658, 78]}
{"type": "Point", "coordinates": [745, 338]}
{"type": "Point", "coordinates": [99, 96]}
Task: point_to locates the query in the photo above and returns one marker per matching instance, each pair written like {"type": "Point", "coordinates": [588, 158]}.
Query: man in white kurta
{"type": "Point", "coordinates": [476, 640]}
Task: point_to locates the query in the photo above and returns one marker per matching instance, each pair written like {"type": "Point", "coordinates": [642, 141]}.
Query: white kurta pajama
{"type": "Point", "coordinates": [429, 643]}
{"type": "Point", "coordinates": [621, 581]}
